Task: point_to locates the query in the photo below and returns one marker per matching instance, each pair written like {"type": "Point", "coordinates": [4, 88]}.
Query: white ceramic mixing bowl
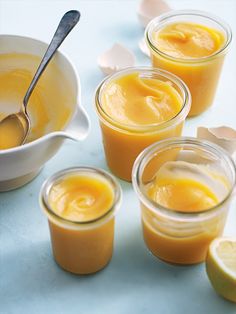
{"type": "Point", "coordinates": [21, 164]}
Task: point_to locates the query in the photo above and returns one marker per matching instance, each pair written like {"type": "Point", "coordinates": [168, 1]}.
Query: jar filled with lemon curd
{"type": "Point", "coordinates": [81, 204]}
{"type": "Point", "coordinates": [137, 107]}
{"type": "Point", "coordinates": [192, 45]}
{"type": "Point", "coordinates": [185, 187]}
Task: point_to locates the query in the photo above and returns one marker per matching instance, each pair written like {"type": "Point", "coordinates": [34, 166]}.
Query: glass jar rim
{"type": "Point", "coordinates": [181, 115]}
{"type": "Point", "coordinates": [48, 184]}
{"type": "Point", "coordinates": [175, 13]}
{"type": "Point", "coordinates": [145, 156]}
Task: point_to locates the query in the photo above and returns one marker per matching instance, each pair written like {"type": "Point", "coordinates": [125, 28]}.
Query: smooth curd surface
{"type": "Point", "coordinates": [195, 190]}
{"type": "Point", "coordinates": [49, 107]}
{"type": "Point", "coordinates": [184, 194]}
{"type": "Point", "coordinates": [188, 40]}
{"type": "Point", "coordinates": [134, 101]}
{"type": "Point", "coordinates": [82, 198]}
{"type": "Point", "coordinates": [191, 43]}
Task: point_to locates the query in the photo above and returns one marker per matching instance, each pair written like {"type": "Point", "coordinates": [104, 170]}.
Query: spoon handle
{"type": "Point", "coordinates": [67, 23]}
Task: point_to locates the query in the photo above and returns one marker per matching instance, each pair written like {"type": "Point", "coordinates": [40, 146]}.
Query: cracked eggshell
{"type": "Point", "coordinates": [148, 9]}
{"type": "Point", "coordinates": [115, 59]}
{"type": "Point", "coordinates": [223, 136]}
{"type": "Point", "coordinates": [143, 47]}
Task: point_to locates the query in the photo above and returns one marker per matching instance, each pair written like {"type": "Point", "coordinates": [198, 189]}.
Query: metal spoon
{"type": "Point", "coordinates": [18, 124]}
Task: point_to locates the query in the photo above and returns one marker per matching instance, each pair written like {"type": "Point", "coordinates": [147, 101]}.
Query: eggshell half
{"type": "Point", "coordinates": [148, 9]}
{"type": "Point", "coordinates": [115, 59]}
{"type": "Point", "coordinates": [223, 136]}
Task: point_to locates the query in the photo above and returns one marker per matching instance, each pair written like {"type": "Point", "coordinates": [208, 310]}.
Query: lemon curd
{"type": "Point", "coordinates": [194, 51]}
{"type": "Point", "coordinates": [137, 107]}
{"type": "Point", "coordinates": [134, 101]}
{"type": "Point", "coordinates": [81, 219]}
{"type": "Point", "coordinates": [188, 40]}
{"type": "Point", "coordinates": [49, 105]}
{"type": "Point", "coordinates": [81, 198]}
{"type": "Point", "coordinates": [180, 192]}
{"type": "Point", "coordinates": [185, 188]}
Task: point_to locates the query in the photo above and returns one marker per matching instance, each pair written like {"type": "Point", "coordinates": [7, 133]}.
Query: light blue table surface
{"type": "Point", "coordinates": [134, 281]}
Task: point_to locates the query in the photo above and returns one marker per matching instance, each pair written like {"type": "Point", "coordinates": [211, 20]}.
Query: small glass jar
{"type": "Point", "coordinates": [201, 75]}
{"type": "Point", "coordinates": [175, 236]}
{"type": "Point", "coordinates": [122, 142]}
{"type": "Point", "coordinates": [81, 247]}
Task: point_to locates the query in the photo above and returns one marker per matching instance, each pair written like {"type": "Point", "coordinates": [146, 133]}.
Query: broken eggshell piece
{"type": "Point", "coordinates": [115, 59]}
{"type": "Point", "coordinates": [148, 9]}
{"type": "Point", "coordinates": [223, 136]}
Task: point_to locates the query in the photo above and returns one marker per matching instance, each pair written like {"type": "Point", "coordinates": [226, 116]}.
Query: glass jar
{"type": "Point", "coordinates": [122, 142]}
{"type": "Point", "coordinates": [172, 235]}
{"type": "Point", "coordinates": [201, 75]}
{"type": "Point", "coordinates": [81, 247]}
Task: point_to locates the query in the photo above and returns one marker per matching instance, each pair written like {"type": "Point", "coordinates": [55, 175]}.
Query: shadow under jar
{"type": "Point", "coordinates": [184, 186]}
{"type": "Point", "coordinates": [137, 107]}
{"type": "Point", "coordinates": [192, 45]}
{"type": "Point", "coordinates": [81, 204]}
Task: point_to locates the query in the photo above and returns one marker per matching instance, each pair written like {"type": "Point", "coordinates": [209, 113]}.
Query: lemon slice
{"type": "Point", "coordinates": [221, 267]}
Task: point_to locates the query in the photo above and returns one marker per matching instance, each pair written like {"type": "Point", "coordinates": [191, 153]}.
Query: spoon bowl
{"type": "Point", "coordinates": [14, 130]}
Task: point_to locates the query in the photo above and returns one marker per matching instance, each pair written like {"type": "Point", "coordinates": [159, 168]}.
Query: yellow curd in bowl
{"type": "Point", "coordinates": [194, 51]}
{"type": "Point", "coordinates": [136, 108]}
{"type": "Point", "coordinates": [50, 105]}
{"type": "Point", "coordinates": [81, 220]}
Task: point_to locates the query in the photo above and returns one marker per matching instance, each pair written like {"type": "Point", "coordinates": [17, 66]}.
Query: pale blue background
{"type": "Point", "coordinates": [134, 282]}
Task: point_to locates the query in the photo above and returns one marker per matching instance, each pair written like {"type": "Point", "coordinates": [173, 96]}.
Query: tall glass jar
{"type": "Point", "coordinates": [201, 75]}
{"type": "Point", "coordinates": [122, 142]}
{"type": "Point", "coordinates": [176, 236]}
{"type": "Point", "coordinates": [81, 247]}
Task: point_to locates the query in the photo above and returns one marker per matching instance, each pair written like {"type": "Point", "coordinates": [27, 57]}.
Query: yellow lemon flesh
{"type": "Point", "coordinates": [221, 267]}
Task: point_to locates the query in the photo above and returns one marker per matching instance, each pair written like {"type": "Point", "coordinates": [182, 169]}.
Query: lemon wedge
{"type": "Point", "coordinates": [221, 266]}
